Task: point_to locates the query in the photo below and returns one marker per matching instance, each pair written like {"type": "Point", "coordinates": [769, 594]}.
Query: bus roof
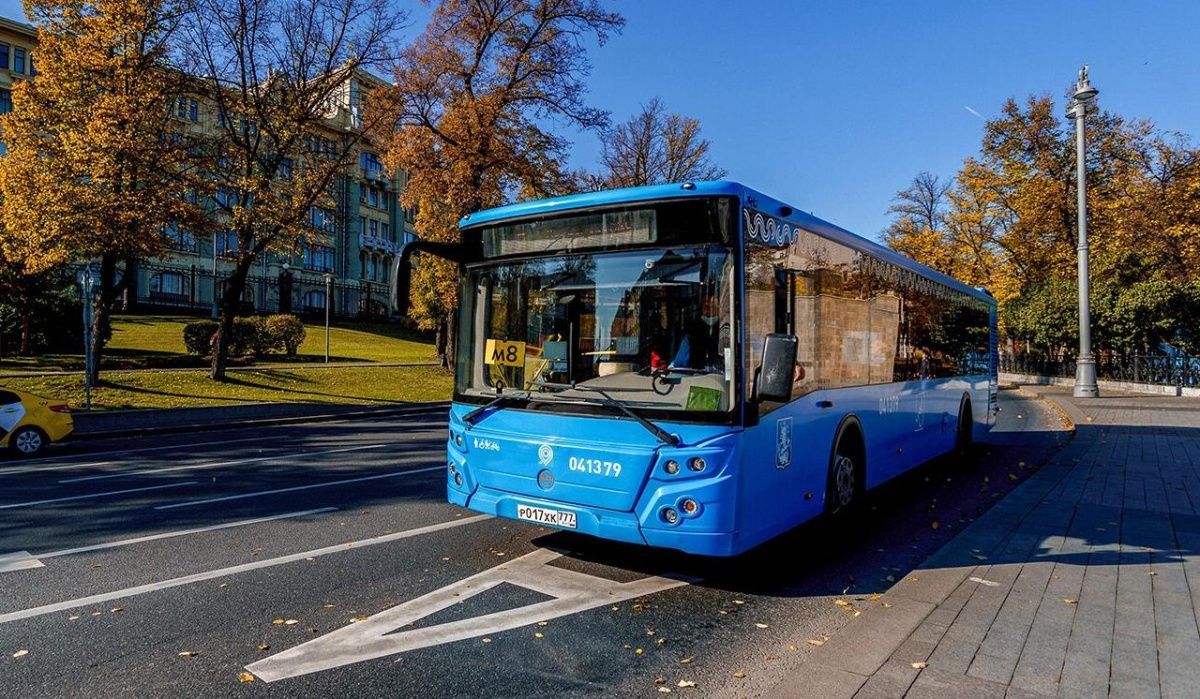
{"type": "Point", "coordinates": [749, 197]}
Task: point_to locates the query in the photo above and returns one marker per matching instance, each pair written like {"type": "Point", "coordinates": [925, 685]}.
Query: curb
{"type": "Point", "coordinates": [252, 367]}
{"type": "Point", "coordinates": [853, 656]}
{"type": "Point", "coordinates": [408, 409]}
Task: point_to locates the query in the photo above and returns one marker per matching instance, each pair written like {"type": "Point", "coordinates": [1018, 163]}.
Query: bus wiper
{"type": "Point", "coordinates": [662, 435]}
{"type": "Point", "coordinates": [470, 417]}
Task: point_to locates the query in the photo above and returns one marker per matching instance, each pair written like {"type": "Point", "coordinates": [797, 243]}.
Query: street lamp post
{"type": "Point", "coordinates": [328, 299]}
{"type": "Point", "coordinates": [1085, 364]}
{"type": "Point", "coordinates": [87, 293]}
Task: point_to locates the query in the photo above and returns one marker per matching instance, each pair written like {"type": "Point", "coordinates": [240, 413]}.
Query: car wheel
{"type": "Point", "coordinates": [28, 441]}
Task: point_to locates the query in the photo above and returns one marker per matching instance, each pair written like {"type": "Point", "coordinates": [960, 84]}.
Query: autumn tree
{"type": "Point", "coordinates": [473, 100]}
{"type": "Point", "coordinates": [1008, 222]}
{"type": "Point", "coordinates": [98, 166]}
{"type": "Point", "coordinates": [654, 147]}
{"type": "Point", "coordinates": [276, 72]}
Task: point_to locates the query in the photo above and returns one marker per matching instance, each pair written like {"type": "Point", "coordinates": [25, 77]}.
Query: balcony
{"type": "Point", "coordinates": [374, 242]}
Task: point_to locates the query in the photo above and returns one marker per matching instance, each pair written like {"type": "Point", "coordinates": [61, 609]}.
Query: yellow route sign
{"type": "Point", "coordinates": [504, 353]}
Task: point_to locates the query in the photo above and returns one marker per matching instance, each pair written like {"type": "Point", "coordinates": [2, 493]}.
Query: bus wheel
{"type": "Point", "coordinates": [845, 476]}
{"type": "Point", "coordinates": [965, 435]}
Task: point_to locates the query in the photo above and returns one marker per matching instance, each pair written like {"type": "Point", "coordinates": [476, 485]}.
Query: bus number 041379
{"type": "Point", "coordinates": [595, 467]}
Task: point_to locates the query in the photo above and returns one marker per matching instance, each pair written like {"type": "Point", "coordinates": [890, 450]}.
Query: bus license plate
{"type": "Point", "coordinates": [540, 515]}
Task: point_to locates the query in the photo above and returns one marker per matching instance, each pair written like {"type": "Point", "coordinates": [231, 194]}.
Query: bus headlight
{"type": "Point", "coordinates": [458, 479]}
{"type": "Point", "coordinates": [670, 515]}
{"type": "Point", "coordinates": [458, 440]}
{"type": "Point", "coordinates": [671, 467]}
{"type": "Point", "coordinates": [697, 463]}
{"type": "Point", "coordinates": [453, 468]}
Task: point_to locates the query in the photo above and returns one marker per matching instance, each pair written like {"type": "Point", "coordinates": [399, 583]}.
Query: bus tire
{"type": "Point", "coordinates": [847, 471]}
{"type": "Point", "coordinates": [964, 435]}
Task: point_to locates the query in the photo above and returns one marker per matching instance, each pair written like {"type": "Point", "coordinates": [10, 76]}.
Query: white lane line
{"type": "Point", "coordinates": [295, 488]}
{"type": "Point", "coordinates": [218, 464]}
{"type": "Point", "coordinates": [34, 463]}
{"type": "Point", "coordinates": [31, 503]}
{"type": "Point", "coordinates": [232, 570]}
{"type": "Point", "coordinates": [182, 532]}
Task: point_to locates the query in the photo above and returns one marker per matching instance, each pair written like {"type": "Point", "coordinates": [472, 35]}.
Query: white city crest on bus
{"type": "Point", "coordinates": [545, 455]}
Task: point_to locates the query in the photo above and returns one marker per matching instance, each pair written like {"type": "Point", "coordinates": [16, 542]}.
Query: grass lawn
{"type": "Point", "coordinates": [299, 384]}
{"type": "Point", "coordinates": [157, 341]}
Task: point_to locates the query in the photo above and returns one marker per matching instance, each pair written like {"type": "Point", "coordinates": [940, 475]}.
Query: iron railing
{"type": "Point", "coordinates": [1160, 370]}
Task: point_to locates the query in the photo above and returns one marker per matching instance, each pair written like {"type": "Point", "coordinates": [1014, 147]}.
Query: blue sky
{"type": "Point", "coordinates": [835, 106]}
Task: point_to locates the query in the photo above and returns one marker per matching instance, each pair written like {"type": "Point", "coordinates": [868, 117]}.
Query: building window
{"type": "Point", "coordinates": [385, 231]}
{"type": "Point", "coordinates": [4, 49]}
{"type": "Point", "coordinates": [318, 258]}
{"type": "Point", "coordinates": [180, 239]}
{"type": "Point", "coordinates": [362, 225]}
{"type": "Point", "coordinates": [314, 300]}
{"type": "Point", "coordinates": [285, 168]}
{"type": "Point", "coordinates": [5, 101]}
{"type": "Point", "coordinates": [370, 163]}
{"type": "Point", "coordinates": [193, 107]}
{"type": "Point", "coordinates": [19, 60]}
{"type": "Point", "coordinates": [227, 243]}
{"type": "Point", "coordinates": [374, 228]}
{"type": "Point", "coordinates": [373, 197]}
{"type": "Point", "coordinates": [168, 287]}
{"type": "Point", "coordinates": [324, 220]}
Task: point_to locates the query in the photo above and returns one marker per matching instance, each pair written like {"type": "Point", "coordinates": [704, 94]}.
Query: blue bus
{"type": "Point", "coordinates": [698, 366]}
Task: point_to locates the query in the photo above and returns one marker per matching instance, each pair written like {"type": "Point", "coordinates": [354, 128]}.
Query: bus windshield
{"type": "Point", "coordinates": [651, 329]}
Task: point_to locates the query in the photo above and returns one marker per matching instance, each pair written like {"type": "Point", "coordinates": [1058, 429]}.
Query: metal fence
{"type": "Point", "coordinates": [192, 289]}
{"type": "Point", "coordinates": [1160, 370]}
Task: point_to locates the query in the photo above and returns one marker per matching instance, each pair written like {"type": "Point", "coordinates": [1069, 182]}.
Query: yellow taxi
{"type": "Point", "coordinates": [29, 423]}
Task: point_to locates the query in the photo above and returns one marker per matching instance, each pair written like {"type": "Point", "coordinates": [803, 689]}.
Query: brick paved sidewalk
{"type": "Point", "coordinates": [1084, 581]}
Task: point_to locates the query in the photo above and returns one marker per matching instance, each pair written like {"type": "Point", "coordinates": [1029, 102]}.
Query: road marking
{"type": "Point", "coordinates": [19, 560]}
{"type": "Point", "coordinates": [52, 459]}
{"type": "Point", "coordinates": [232, 570]}
{"type": "Point", "coordinates": [295, 488]}
{"type": "Point", "coordinates": [10, 561]}
{"type": "Point", "coordinates": [31, 503]}
{"type": "Point", "coordinates": [218, 464]}
{"type": "Point", "coordinates": [379, 635]}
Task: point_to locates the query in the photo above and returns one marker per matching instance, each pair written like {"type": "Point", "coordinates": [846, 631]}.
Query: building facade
{"type": "Point", "coordinates": [354, 243]}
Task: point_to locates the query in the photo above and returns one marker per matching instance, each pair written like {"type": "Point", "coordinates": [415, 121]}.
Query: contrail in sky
{"type": "Point", "coordinates": [983, 118]}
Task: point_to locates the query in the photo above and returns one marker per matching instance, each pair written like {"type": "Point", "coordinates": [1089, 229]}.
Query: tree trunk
{"type": "Point", "coordinates": [230, 304]}
{"type": "Point", "coordinates": [23, 347]}
{"type": "Point", "coordinates": [103, 297]}
{"type": "Point", "coordinates": [451, 342]}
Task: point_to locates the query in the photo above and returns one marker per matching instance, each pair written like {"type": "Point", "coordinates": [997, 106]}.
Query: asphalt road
{"type": "Point", "coordinates": [175, 565]}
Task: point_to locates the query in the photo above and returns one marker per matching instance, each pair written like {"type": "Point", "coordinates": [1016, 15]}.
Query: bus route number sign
{"type": "Point", "coordinates": [504, 353]}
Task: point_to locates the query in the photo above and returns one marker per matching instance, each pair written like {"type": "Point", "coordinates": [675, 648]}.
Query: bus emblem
{"type": "Point", "coordinates": [783, 442]}
{"type": "Point", "coordinates": [545, 455]}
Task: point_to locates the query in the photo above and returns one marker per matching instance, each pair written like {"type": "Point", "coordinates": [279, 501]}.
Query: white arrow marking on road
{"type": "Point", "coordinates": [573, 592]}
{"type": "Point", "coordinates": [18, 560]}
{"type": "Point", "coordinates": [233, 570]}
{"type": "Point", "coordinates": [9, 561]}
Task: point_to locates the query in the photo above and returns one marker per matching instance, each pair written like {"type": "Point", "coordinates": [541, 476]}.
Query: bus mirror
{"type": "Point", "coordinates": [777, 371]}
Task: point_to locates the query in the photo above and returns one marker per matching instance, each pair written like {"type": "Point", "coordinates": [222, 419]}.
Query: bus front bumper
{"type": "Point", "coordinates": [606, 524]}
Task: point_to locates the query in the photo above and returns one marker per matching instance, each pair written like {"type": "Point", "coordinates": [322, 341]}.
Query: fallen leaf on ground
{"type": "Point", "coordinates": [739, 601]}
{"type": "Point", "coordinates": [487, 640]}
{"type": "Point", "coordinates": [291, 622]}
{"type": "Point", "coordinates": [661, 641]}
{"type": "Point", "coordinates": [264, 646]}
{"type": "Point", "coordinates": [886, 604]}
{"type": "Point", "coordinates": [739, 674]}
{"type": "Point", "coordinates": [639, 651]}
{"type": "Point", "coordinates": [793, 648]}
{"type": "Point", "coordinates": [1070, 601]}
{"type": "Point", "coordinates": [189, 654]}
{"type": "Point", "coordinates": [21, 653]}
{"type": "Point", "coordinates": [811, 642]}
{"type": "Point", "coordinates": [327, 606]}
{"type": "Point", "coordinates": [686, 683]}
{"type": "Point", "coordinates": [543, 623]}
{"type": "Point", "coordinates": [761, 626]}
{"type": "Point", "coordinates": [73, 617]}
{"type": "Point", "coordinates": [539, 634]}
{"type": "Point", "coordinates": [688, 660]}
{"type": "Point", "coordinates": [117, 610]}
{"type": "Point", "coordinates": [660, 680]}
{"type": "Point", "coordinates": [920, 666]}
{"type": "Point", "coordinates": [665, 690]}
{"type": "Point", "coordinates": [245, 677]}
{"type": "Point", "coordinates": [841, 603]}
{"type": "Point", "coordinates": [360, 617]}
{"type": "Point", "coordinates": [278, 621]}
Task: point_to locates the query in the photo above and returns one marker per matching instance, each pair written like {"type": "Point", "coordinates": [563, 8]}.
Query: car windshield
{"type": "Point", "coordinates": [649, 328]}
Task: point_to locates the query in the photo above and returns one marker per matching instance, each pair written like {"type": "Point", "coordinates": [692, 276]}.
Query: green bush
{"type": "Point", "coordinates": [255, 335]}
{"type": "Point", "coordinates": [286, 333]}
{"type": "Point", "coordinates": [197, 336]}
